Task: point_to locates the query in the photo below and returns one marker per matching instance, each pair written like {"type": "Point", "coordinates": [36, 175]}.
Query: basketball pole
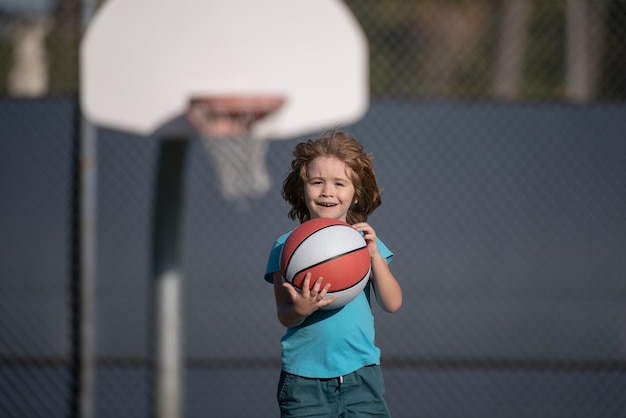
{"type": "Point", "coordinates": [84, 296]}
{"type": "Point", "coordinates": [167, 280]}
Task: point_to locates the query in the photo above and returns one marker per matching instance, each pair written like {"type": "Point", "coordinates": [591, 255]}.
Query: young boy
{"type": "Point", "coordinates": [330, 363]}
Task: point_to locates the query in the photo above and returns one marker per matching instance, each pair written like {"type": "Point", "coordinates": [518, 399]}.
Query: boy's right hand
{"type": "Point", "coordinates": [309, 300]}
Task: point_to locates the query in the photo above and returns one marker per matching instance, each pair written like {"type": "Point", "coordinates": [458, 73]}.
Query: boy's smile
{"type": "Point", "coordinates": [328, 189]}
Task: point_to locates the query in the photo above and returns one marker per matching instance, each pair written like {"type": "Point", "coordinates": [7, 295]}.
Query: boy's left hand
{"type": "Point", "coordinates": [386, 287]}
{"type": "Point", "coordinates": [369, 234]}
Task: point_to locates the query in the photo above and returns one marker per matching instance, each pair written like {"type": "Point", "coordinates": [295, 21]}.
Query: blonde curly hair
{"type": "Point", "coordinates": [346, 148]}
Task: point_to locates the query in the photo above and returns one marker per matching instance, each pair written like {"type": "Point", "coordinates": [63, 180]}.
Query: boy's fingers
{"type": "Point", "coordinates": [306, 284]}
{"type": "Point", "coordinates": [326, 302]}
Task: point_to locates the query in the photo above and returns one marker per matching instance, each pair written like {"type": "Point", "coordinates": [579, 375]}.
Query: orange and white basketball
{"type": "Point", "coordinates": [331, 249]}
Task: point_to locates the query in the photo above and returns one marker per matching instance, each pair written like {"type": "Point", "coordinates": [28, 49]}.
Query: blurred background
{"type": "Point", "coordinates": [498, 134]}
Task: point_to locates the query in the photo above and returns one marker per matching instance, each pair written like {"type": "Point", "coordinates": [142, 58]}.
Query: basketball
{"type": "Point", "coordinates": [331, 249]}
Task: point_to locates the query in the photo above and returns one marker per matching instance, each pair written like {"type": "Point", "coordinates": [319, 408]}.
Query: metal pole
{"type": "Point", "coordinates": [168, 363]}
{"type": "Point", "coordinates": [87, 271]}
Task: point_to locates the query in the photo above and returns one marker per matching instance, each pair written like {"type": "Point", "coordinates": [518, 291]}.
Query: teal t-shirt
{"type": "Point", "coordinates": [329, 343]}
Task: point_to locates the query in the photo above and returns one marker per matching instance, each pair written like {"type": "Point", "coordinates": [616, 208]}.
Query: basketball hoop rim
{"type": "Point", "coordinates": [260, 105]}
{"type": "Point", "coordinates": [230, 116]}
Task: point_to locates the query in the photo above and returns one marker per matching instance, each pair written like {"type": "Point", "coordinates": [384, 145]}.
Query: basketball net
{"type": "Point", "coordinates": [225, 127]}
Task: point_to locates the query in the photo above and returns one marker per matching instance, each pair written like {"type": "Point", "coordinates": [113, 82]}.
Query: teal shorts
{"type": "Point", "coordinates": [358, 394]}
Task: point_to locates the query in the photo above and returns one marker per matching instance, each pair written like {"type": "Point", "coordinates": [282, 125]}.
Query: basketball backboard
{"type": "Point", "coordinates": [144, 61]}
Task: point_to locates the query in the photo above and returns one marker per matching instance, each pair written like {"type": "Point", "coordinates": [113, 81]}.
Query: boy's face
{"type": "Point", "coordinates": [328, 189]}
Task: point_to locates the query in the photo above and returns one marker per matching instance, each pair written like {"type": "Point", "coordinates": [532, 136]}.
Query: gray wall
{"type": "Point", "coordinates": [508, 225]}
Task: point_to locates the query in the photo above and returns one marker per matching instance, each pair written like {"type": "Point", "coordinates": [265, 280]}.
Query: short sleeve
{"type": "Point", "coordinates": [273, 261]}
{"type": "Point", "coordinates": [384, 251]}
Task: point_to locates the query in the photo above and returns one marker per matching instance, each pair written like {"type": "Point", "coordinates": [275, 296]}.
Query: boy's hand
{"type": "Point", "coordinates": [369, 235]}
{"type": "Point", "coordinates": [308, 300]}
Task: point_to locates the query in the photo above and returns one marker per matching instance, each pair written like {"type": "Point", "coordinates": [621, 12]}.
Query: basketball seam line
{"type": "Point", "coordinates": [309, 236]}
{"type": "Point", "coordinates": [330, 259]}
{"type": "Point", "coordinates": [366, 275]}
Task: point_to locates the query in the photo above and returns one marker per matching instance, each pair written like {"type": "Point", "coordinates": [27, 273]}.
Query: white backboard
{"type": "Point", "coordinates": [143, 60]}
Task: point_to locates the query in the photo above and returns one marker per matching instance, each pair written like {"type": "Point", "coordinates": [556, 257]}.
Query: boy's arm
{"type": "Point", "coordinates": [386, 287]}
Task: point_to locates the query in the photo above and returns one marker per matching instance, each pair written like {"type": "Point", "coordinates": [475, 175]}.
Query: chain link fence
{"type": "Point", "coordinates": [498, 134]}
